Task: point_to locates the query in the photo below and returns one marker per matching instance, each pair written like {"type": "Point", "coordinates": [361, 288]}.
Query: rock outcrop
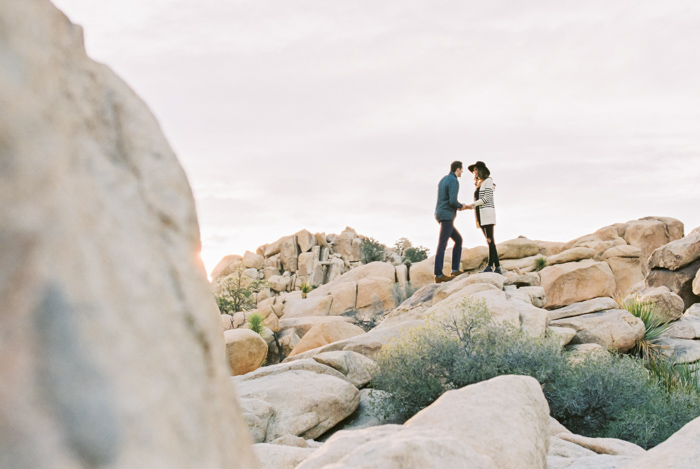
{"type": "Point", "coordinates": [110, 335]}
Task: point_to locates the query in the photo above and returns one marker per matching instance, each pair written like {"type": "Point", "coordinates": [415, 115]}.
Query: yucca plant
{"type": "Point", "coordinates": [655, 325]}
{"type": "Point", "coordinates": [675, 376]}
{"type": "Point", "coordinates": [255, 322]}
{"type": "Point", "coordinates": [305, 289]}
{"type": "Point", "coordinates": [540, 263]}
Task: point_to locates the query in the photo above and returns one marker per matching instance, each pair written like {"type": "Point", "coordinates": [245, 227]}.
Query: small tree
{"type": "Point", "coordinates": [238, 292]}
{"type": "Point", "coordinates": [401, 245]}
{"type": "Point", "coordinates": [372, 250]}
{"type": "Point", "coordinates": [416, 254]}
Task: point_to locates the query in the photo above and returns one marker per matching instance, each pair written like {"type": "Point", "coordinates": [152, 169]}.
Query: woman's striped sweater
{"type": "Point", "coordinates": [485, 203]}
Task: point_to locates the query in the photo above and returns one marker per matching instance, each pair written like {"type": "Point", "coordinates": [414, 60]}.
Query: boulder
{"type": "Point", "coordinates": [401, 274]}
{"type": "Point", "coordinates": [226, 266]}
{"type": "Point", "coordinates": [550, 248]}
{"type": "Point", "coordinates": [269, 272]}
{"type": "Point", "coordinates": [305, 403]}
{"type": "Point", "coordinates": [303, 324]}
{"type": "Point", "coordinates": [524, 265]}
{"type": "Point", "coordinates": [276, 456]}
{"type": "Point", "coordinates": [564, 334]}
{"type": "Point", "coordinates": [289, 253]}
{"type": "Point", "coordinates": [373, 269]}
{"type": "Point", "coordinates": [253, 261]}
{"type": "Point", "coordinates": [687, 327]}
{"type": "Point", "coordinates": [584, 307]}
{"type": "Point", "coordinates": [473, 258]}
{"type": "Point", "coordinates": [431, 298]}
{"type": "Point", "coordinates": [679, 281]}
{"type": "Point", "coordinates": [693, 310]}
{"type": "Point", "coordinates": [499, 423]}
{"type": "Point", "coordinates": [571, 255]}
{"type": "Point", "coordinates": [226, 322]}
{"type": "Point", "coordinates": [614, 329]}
{"type": "Point", "coordinates": [324, 334]}
{"type": "Point", "coordinates": [348, 245]}
{"type": "Point", "coordinates": [650, 233]}
{"type": "Point", "coordinates": [357, 368]}
{"type": "Point", "coordinates": [695, 286]}
{"type": "Point", "coordinates": [537, 295]}
{"type": "Point", "coordinates": [368, 344]}
{"type": "Point", "coordinates": [307, 364]}
{"type": "Point", "coordinates": [667, 303]}
{"type": "Point", "coordinates": [627, 270]}
{"type": "Point", "coordinates": [246, 350]}
{"type": "Point", "coordinates": [365, 415]}
{"type": "Point", "coordinates": [310, 306]}
{"type": "Point", "coordinates": [600, 241]}
{"type": "Point", "coordinates": [305, 240]}
{"type": "Point", "coordinates": [257, 414]}
{"type": "Point", "coordinates": [499, 307]}
{"type": "Point", "coordinates": [110, 333]}
{"type": "Point", "coordinates": [279, 283]}
{"type": "Point", "coordinates": [680, 350]}
{"type": "Point", "coordinates": [679, 451]}
{"type": "Point", "coordinates": [523, 280]}
{"type": "Point", "coordinates": [344, 298]}
{"type": "Point", "coordinates": [610, 446]}
{"type": "Point", "coordinates": [570, 283]}
{"type": "Point", "coordinates": [517, 248]}
{"type": "Point", "coordinates": [421, 273]}
{"type": "Point", "coordinates": [533, 320]}
{"type": "Point", "coordinates": [375, 294]}
{"type": "Point", "coordinates": [678, 253]}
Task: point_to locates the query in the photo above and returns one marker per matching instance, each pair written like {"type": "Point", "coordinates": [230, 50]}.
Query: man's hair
{"type": "Point", "coordinates": [455, 166]}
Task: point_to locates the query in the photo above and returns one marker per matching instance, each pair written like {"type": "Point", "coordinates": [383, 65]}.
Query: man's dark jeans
{"type": "Point", "coordinates": [447, 231]}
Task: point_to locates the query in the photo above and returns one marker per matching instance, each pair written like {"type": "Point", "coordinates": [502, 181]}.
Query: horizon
{"type": "Point", "coordinates": [322, 115]}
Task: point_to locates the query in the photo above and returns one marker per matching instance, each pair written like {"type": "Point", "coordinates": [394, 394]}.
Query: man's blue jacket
{"type": "Point", "coordinates": [447, 203]}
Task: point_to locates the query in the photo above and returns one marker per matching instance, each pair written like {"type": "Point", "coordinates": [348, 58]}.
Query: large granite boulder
{"type": "Point", "coordinates": [678, 253]}
{"type": "Point", "coordinates": [246, 350]}
{"type": "Point", "coordinates": [626, 266]}
{"type": "Point", "coordinates": [499, 423]}
{"type": "Point", "coordinates": [326, 333]}
{"type": "Point", "coordinates": [573, 282]}
{"type": "Point", "coordinates": [614, 329]}
{"type": "Point", "coordinates": [650, 233]}
{"type": "Point", "coordinates": [304, 403]}
{"type": "Point", "coordinates": [678, 281]}
{"type": "Point", "coordinates": [110, 334]}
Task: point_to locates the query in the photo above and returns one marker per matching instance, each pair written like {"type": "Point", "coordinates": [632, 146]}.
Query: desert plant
{"type": "Point", "coordinates": [255, 322]}
{"type": "Point", "coordinates": [401, 245]}
{"type": "Point", "coordinates": [416, 254]}
{"type": "Point", "coordinates": [305, 289]}
{"type": "Point", "coordinates": [601, 395]}
{"type": "Point", "coordinates": [655, 325]}
{"type": "Point", "coordinates": [675, 376]}
{"type": "Point", "coordinates": [237, 292]}
{"type": "Point", "coordinates": [540, 263]}
{"type": "Point", "coordinates": [401, 293]}
{"type": "Point", "coordinates": [372, 250]}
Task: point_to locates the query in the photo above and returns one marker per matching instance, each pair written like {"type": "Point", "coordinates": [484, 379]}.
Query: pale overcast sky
{"type": "Point", "coordinates": [324, 114]}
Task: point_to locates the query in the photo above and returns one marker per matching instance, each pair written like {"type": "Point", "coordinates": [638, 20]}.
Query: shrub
{"type": "Point", "coordinates": [401, 245]}
{"type": "Point", "coordinates": [601, 395]}
{"type": "Point", "coordinates": [372, 250]}
{"type": "Point", "coordinates": [305, 289]}
{"type": "Point", "coordinates": [237, 292]}
{"type": "Point", "coordinates": [400, 293]}
{"type": "Point", "coordinates": [540, 263]}
{"type": "Point", "coordinates": [416, 254]}
{"type": "Point", "coordinates": [255, 323]}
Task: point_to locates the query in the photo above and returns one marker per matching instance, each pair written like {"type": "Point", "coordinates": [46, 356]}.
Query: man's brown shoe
{"type": "Point", "coordinates": [443, 278]}
{"type": "Point", "coordinates": [457, 274]}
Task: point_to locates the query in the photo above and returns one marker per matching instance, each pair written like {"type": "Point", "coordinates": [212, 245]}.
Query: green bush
{"type": "Point", "coordinates": [255, 323]}
{"type": "Point", "coordinates": [600, 395]}
{"type": "Point", "coordinates": [655, 324]}
{"type": "Point", "coordinates": [540, 263]}
{"type": "Point", "coordinates": [416, 254]}
{"type": "Point", "coordinates": [238, 292]}
{"type": "Point", "coordinates": [372, 250]}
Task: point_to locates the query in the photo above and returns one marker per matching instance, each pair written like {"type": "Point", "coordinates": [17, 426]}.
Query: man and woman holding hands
{"type": "Point", "coordinates": [446, 211]}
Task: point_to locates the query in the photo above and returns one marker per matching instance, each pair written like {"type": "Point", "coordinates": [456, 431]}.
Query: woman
{"type": "Point", "coordinates": [485, 211]}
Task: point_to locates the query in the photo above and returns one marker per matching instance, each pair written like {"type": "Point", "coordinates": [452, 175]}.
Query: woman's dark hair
{"type": "Point", "coordinates": [455, 166]}
{"type": "Point", "coordinates": [482, 172]}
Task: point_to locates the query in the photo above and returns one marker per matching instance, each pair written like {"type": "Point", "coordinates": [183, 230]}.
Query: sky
{"type": "Point", "coordinates": [291, 115]}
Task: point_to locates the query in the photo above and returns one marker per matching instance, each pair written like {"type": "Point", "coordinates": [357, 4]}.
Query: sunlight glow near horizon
{"type": "Point", "coordinates": [320, 115]}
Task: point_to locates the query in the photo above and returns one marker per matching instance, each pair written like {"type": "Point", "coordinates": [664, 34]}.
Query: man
{"type": "Point", "coordinates": [445, 213]}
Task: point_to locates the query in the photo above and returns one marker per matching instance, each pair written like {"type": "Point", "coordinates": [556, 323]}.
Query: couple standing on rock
{"type": "Point", "coordinates": [446, 212]}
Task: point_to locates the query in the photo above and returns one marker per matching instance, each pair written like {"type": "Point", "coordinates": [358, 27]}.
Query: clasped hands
{"type": "Point", "coordinates": [466, 207]}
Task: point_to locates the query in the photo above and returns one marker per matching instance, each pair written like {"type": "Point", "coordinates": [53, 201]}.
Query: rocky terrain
{"type": "Point", "coordinates": [113, 352]}
{"type": "Point", "coordinates": [327, 360]}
